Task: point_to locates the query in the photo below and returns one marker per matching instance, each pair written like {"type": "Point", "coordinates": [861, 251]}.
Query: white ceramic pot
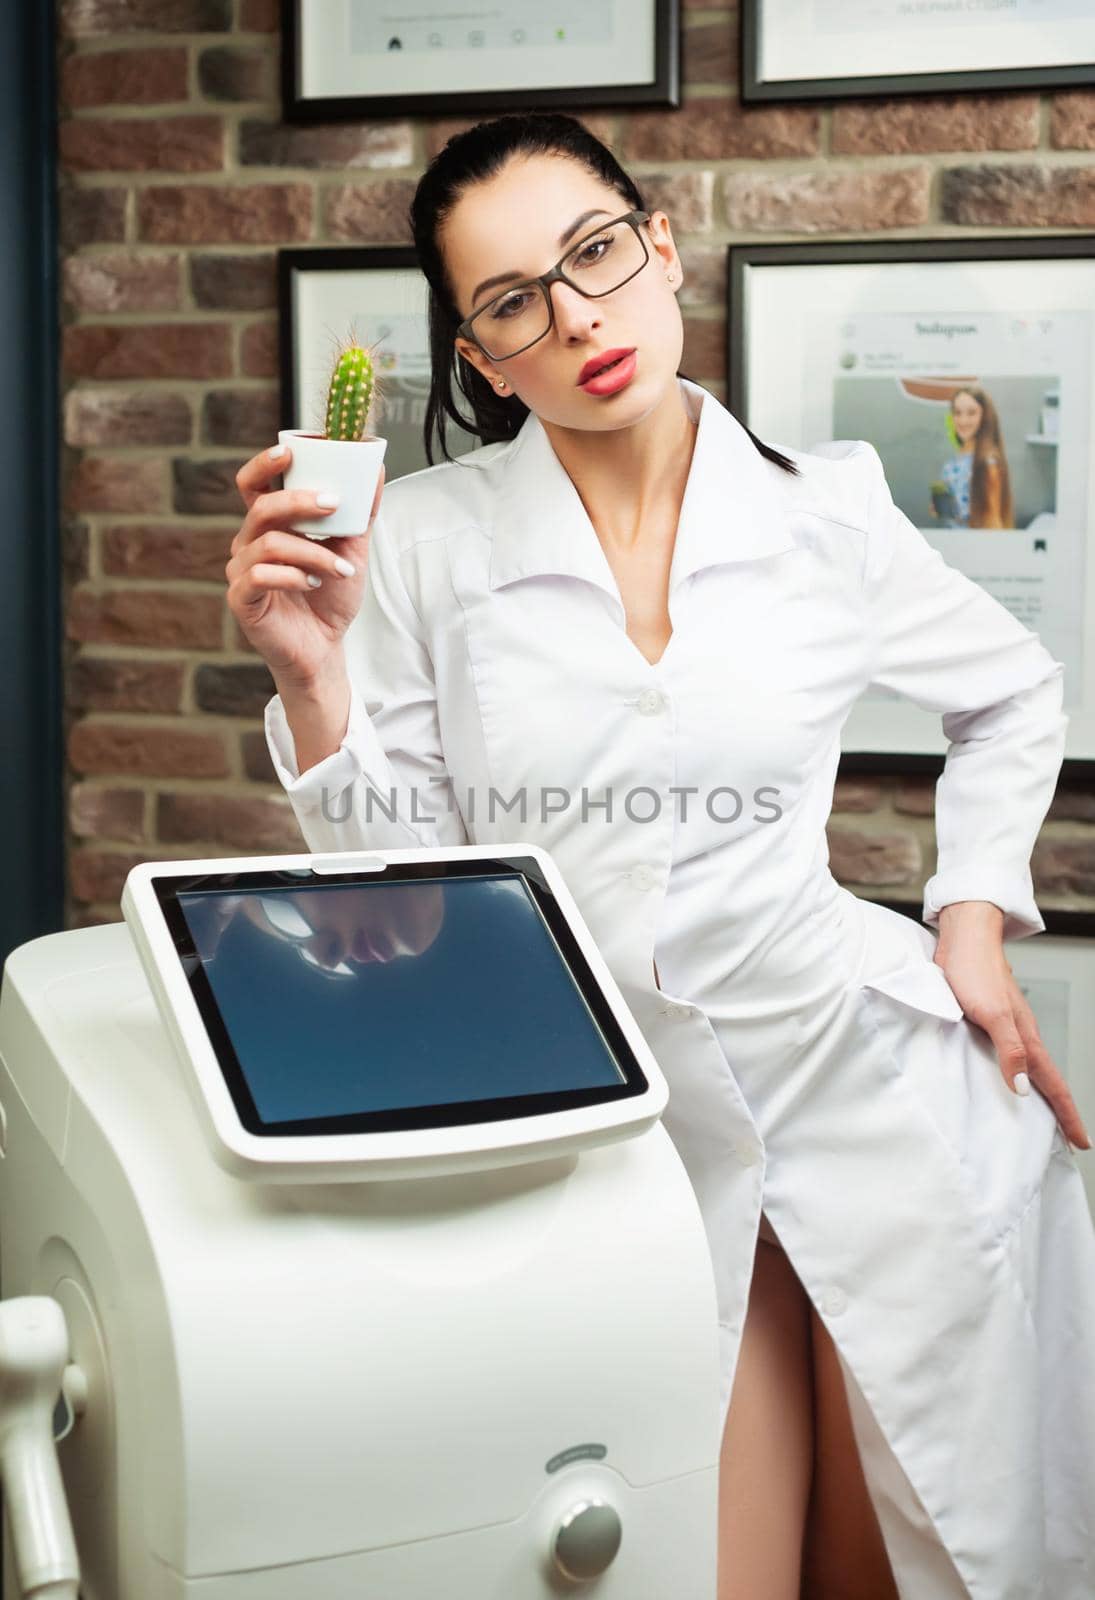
{"type": "Point", "coordinates": [349, 468]}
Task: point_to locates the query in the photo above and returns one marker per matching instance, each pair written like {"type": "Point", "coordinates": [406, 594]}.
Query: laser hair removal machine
{"type": "Point", "coordinates": [343, 1253]}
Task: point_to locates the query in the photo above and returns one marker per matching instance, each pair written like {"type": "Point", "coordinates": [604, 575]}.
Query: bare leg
{"type": "Point", "coordinates": [766, 1458]}
{"type": "Point", "coordinates": [844, 1557]}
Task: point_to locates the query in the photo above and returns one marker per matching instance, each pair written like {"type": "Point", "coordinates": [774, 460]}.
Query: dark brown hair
{"type": "Point", "coordinates": [469, 158]}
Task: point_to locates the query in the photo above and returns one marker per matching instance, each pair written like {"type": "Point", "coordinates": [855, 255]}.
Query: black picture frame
{"type": "Point", "coordinates": [663, 91]}
{"type": "Point", "coordinates": [757, 90]}
{"type": "Point", "coordinates": [406, 443]}
{"type": "Point", "coordinates": [1076, 770]}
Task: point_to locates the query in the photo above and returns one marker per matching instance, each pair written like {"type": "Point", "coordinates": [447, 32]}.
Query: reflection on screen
{"type": "Point", "coordinates": [343, 999]}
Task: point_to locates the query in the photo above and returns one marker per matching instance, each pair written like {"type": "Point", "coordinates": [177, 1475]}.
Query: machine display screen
{"type": "Point", "coordinates": [404, 998]}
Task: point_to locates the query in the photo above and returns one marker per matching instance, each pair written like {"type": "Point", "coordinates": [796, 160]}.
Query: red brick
{"type": "Point", "coordinates": [101, 874]}
{"type": "Point", "coordinates": [369, 211]}
{"type": "Point", "coordinates": [148, 350]}
{"type": "Point", "coordinates": [1019, 196]}
{"type": "Point", "coordinates": [259, 350]}
{"type": "Point", "coordinates": [97, 683]}
{"type": "Point", "coordinates": [354, 144]}
{"type": "Point", "coordinates": [259, 16]}
{"type": "Point", "coordinates": [709, 54]}
{"type": "Point", "coordinates": [1072, 120]}
{"type": "Point", "coordinates": [244, 417]}
{"type": "Point", "coordinates": [935, 122]}
{"type": "Point", "coordinates": [233, 75]}
{"type": "Point", "coordinates": [260, 213]}
{"type": "Point", "coordinates": [102, 417]}
{"type": "Point", "coordinates": [684, 196]}
{"type": "Point", "coordinates": [87, 18]}
{"type": "Point", "coordinates": [141, 550]}
{"type": "Point", "coordinates": [90, 216]}
{"type": "Point", "coordinates": [144, 749]}
{"type": "Point", "coordinates": [256, 757]}
{"type": "Point", "coordinates": [100, 484]}
{"type": "Point", "coordinates": [123, 280]}
{"type": "Point", "coordinates": [99, 813]}
{"type": "Point", "coordinates": [162, 619]}
{"type": "Point", "coordinates": [142, 144]}
{"type": "Point", "coordinates": [704, 354]}
{"type": "Point", "coordinates": [874, 858]}
{"type": "Point", "coordinates": [856, 794]}
{"type": "Point", "coordinates": [123, 77]}
{"type": "Point", "coordinates": [828, 201]}
{"type": "Point", "coordinates": [716, 130]}
{"type": "Point", "coordinates": [1064, 866]}
{"type": "Point", "coordinates": [249, 823]}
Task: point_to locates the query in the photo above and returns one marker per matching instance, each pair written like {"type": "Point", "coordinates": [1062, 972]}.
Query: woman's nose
{"type": "Point", "coordinates": [573, 312]}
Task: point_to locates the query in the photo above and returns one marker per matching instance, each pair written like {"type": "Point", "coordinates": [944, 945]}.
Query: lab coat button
{"type": "Point", "coordinates": [644, 877]}
{"type": "Point", "coordinates": [651, 702]}
{"type": "Point", "coordinates": [747, 1153]}
{"type": "Point", "coordinates": [832, 1302]}
{"type": "Point", "coordinates": [675, 1009]}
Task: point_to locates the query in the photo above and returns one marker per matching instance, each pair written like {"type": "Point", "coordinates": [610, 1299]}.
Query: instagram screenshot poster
{"type": "Point", "coordinates": [975, 381]}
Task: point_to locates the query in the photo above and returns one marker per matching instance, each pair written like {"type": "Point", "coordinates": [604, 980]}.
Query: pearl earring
{"type": "Point", "coordinates": [669, 277]}
{"type": "Point", "coordinates": [501, 382]}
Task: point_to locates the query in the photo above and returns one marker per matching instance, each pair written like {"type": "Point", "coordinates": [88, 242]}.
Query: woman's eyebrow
{"type": "Point", "coordinates": [508, 277]}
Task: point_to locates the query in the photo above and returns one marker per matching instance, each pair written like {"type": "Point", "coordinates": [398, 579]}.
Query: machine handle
{"type": "Point", "coordinates": [33, 1361]}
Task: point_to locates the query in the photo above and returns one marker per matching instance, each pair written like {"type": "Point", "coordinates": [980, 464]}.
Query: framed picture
{"type": "Point", "coordinates": [342, 59]}
{"type": "Point", "coordinates": [823, 49]}
{"type": "Point", "coordinates": [943, 353]}
{"type": "Point", "coordinates": [378, 295]}
{"type": "Point", "coordinates": [1056, 972]}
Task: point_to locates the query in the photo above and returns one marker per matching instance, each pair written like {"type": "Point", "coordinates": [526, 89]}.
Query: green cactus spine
{"type": "Point", "coordinates": [350, 394]}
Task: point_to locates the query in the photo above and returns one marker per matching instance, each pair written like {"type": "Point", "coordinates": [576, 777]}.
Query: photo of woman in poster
{"type": "Point", "coordinates": [976, 476]}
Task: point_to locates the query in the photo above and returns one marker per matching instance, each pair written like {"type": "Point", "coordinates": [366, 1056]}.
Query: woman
{"type": "Point", "coordinates": [627, 630]}
{"type": "Point", "coordinates": [977, 474]}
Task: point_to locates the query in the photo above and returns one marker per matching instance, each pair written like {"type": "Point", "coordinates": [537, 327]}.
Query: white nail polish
{"type": "Point", "coordinates": [314, 580]}
{"type": "Point", "coordinates": [278, 450]}
{"type": "Point", "coordinates": [327, 500]}
{"type": "Point", "coordinates": [1022, 1083]}
{"type": "Point", "coordinates": [346, 568]}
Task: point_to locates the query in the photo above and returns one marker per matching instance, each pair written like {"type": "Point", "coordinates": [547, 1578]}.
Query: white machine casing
{"type": "Point", "coordinates": [307, 1381]}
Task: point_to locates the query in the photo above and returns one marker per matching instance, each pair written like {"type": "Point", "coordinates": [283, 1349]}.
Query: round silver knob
{"type": "Point", "coordinates": [586, 1539]}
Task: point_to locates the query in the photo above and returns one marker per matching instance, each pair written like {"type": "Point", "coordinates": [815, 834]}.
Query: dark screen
{"type": "Point", "coordinates": [347, 999]}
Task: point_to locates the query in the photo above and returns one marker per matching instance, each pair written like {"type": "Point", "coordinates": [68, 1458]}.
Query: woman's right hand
{"type": "Point", "coordinates": [295, 625]}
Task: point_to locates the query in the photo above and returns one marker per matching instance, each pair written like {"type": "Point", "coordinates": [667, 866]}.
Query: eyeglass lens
{"type": "Point", "coordinates": [520, 315]}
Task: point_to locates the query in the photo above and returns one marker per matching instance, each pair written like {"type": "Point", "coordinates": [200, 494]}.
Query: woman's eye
{"type": "Point", "coordinates": [507, 306]}
{"type": "Point", "coordinates": [595, 244]}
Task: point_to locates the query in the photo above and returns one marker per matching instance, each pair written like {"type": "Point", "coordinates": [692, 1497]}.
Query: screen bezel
{"type": "Point", "coordinates": [168, 887]}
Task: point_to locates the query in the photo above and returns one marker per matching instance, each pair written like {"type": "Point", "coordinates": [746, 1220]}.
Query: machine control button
{"type": "Point", "coordinates": [586, 1540]}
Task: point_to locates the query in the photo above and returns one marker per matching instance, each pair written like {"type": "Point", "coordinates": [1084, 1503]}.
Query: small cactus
{"type": "Point", "coordinates": [350, 394]}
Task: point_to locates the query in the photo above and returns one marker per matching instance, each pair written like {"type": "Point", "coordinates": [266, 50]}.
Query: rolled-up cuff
{"type": "Point", "coordinates": [360, 751]}
{"type": "Point", "coordinates": [1012, 891]}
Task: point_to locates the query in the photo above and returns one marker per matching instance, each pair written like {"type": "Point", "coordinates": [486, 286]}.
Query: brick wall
{"type": "Point", "coordinates": [178, 182]}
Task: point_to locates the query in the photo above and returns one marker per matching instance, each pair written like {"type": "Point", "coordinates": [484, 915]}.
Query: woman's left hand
{"type": "Point", "coordinates": [970, 951]}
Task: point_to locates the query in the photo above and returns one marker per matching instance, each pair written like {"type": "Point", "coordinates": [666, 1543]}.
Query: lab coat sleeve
{"type": "Point", "coordinates": [386, 786]}
{"type": "Point", "coordinates": [940, 639]}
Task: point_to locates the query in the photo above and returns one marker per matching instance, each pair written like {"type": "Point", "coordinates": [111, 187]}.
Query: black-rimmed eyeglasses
{"type": "Point", "coordinates": [601, 262]}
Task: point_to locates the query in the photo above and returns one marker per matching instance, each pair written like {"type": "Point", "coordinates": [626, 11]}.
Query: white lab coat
{"type": "Point", "coordinates": [819, 1063]}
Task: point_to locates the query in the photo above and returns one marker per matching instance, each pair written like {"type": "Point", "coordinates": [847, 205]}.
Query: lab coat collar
{"type": "Point", "coordinates": [735, 507]}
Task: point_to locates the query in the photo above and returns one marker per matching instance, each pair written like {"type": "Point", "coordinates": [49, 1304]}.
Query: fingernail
{"type": "Point", "coordinates": [1021, 1084]}
{"type": "Point", "coordinates": [346, 568]}
{"type": "Point", "coordinates": [278, 450]}
{"type": "Point", "coordinates": [327, 500]}
{"type": "Point", "coordinates": [314, 581]}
